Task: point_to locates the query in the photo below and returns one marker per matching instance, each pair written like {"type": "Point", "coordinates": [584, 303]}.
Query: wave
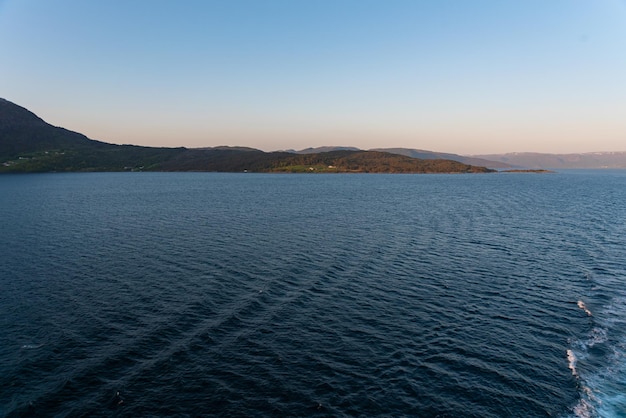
{"type": "Point", "coordinates": [585, 408]}
{"type": "Point", "coordinates": [571, 359]}
{"type": "Point", "coordinates": [598, 362]}
{"type": "Point", "coordinates": [31, 346]}
{"type": "Point", "coordinates": [582, 306]}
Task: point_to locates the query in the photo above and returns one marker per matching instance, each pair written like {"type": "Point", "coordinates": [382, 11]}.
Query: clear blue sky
{"type": "Point", "coordinates": [457, 76]}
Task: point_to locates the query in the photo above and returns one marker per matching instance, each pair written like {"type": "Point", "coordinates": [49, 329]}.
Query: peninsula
{"type": "Point", "coordinates": [28, 144]}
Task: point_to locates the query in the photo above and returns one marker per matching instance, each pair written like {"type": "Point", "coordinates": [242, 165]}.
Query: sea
{"type": "Point", "coordinates": [259, 295]}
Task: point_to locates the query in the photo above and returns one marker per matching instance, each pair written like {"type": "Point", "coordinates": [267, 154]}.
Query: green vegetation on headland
{"type": "Point", "coordinates": [227, 160]}
{"type": "Point", "coordinates": [28, 145]}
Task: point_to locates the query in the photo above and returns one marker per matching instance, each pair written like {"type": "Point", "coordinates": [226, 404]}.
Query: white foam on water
{"type": "Point", "coordinates": [582, 306]}
{"type": "Point", "coordinates": [586, 406]}
{"type": "Point", "coordinates": [602, 390]}
{"type": "Point", "coordinates": [571, 359]}
{"type": "Point", "coordinates": [596, 336]}
{"type": "Point", "coordinates": [31, 346]}
{"type": "Point", "coordinates": [583, 409]}
{"type": "Point", "coordinates": [611, 384]}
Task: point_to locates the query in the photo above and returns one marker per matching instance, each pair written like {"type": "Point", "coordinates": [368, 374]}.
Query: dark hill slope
{"type": "Point", "coordinates": [29, 144]}
{"type": "Point", "coordinates": [21, 131]}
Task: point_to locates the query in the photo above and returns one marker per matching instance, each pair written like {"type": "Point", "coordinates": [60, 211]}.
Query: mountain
{"type": "Point", "coordinates": [323, 149]}
{"type": "Point", "coordinates": [29, 144]}
{"type": "Point", "coordinates": [533, 160]}
{"type": "Point", "coordinates": [22, 131]}
{"type": "Point", "coordinates": [430, 155]}
{"type": "Point", "coordinates": [227, 147]}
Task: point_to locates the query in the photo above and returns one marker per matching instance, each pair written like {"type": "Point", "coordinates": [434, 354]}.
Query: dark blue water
{"type": "Point", "coordinates": [198, 294]}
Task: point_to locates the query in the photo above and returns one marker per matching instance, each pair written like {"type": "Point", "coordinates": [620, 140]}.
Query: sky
{"type": "Point", "coordinates": [458, 76]}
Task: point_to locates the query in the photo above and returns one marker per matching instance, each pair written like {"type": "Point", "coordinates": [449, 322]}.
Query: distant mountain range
{"type": "Point", "coordinates": [29, 144]}
{"type": "Point", "coordinates": [323, 149]}
{"type": "Point", "coordinates": [590, 160]}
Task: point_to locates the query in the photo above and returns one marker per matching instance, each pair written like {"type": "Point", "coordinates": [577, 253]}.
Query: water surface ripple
{"type": "Point", "coordinates": [200, 294]}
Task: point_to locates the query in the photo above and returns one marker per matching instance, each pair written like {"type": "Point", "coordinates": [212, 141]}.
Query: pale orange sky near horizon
{"type": "Point", "coordinates": [461, 77]}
